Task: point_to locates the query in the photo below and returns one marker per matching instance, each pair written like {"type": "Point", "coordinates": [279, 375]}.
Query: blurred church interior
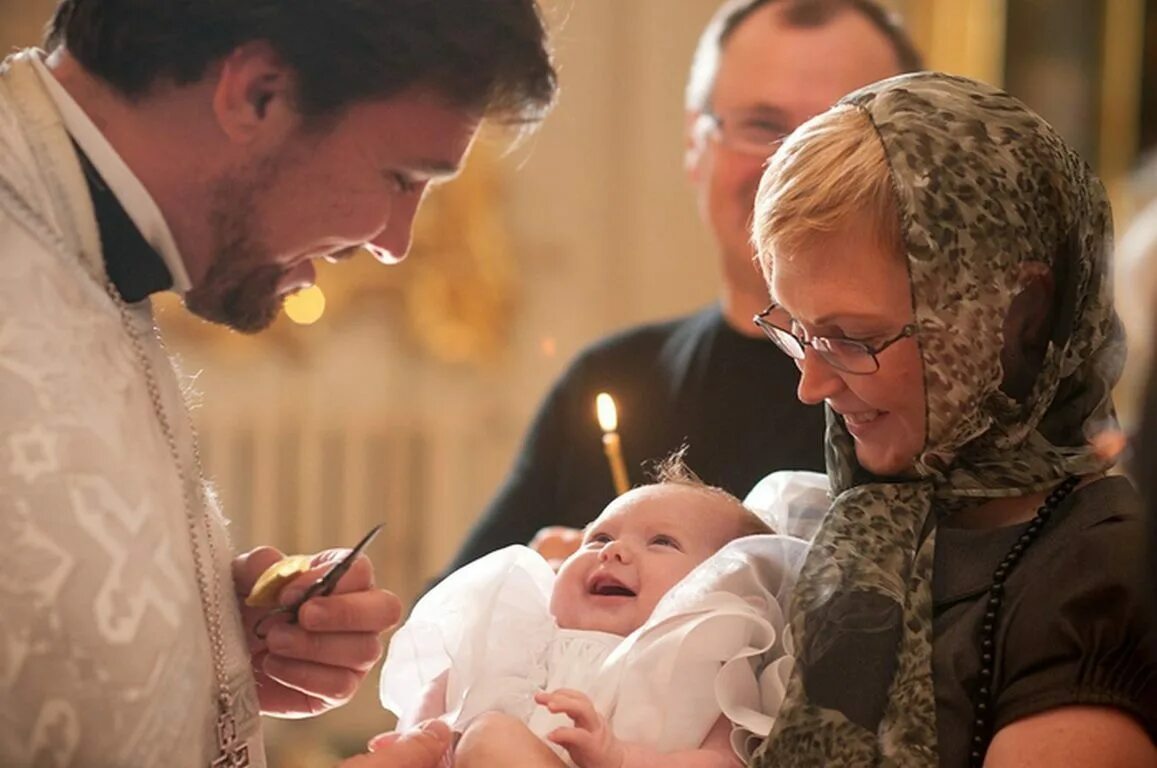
{"type": "Point", "coordinates": [400, 394]}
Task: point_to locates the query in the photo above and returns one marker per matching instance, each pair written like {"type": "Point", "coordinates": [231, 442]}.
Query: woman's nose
{"type": "Point", "coordinates": [818, 380]}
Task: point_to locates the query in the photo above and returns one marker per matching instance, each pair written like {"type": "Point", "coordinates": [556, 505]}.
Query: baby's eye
{"type": "Point", "coordinates": [599, 538]}
{"type": "Point", "coordinates": [665, 541]}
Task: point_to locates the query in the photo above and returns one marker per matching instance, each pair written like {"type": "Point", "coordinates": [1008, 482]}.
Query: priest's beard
{"type": "Point", "coordinates": [240, 288]}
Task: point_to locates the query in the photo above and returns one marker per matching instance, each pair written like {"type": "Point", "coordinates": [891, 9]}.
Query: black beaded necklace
{"type": "Point", "coordinates": [982, 701]}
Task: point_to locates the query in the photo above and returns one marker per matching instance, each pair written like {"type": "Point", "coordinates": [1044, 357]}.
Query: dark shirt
{"type": "Point", "coordinates": [1143, 467]}
{"type": "Point", "coordinates": [1076, 626]}
{"type": "Point", "coordinates": [695, 381]}
{"type": "Point", "coordinates": [134, 267]}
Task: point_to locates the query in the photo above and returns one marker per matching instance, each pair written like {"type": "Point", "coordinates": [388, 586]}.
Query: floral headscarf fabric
{"type": "Point", "coordinates": [986, 191]}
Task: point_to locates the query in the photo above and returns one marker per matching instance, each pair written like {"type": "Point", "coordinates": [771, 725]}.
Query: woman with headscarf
{"type": "Point", "coordinates": [936, 257]}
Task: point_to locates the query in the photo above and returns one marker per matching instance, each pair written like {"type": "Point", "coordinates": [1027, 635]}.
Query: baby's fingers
{"type": "Point", "coordinates": [572, 739]}
{"type": "Point", "coordinates": [573, 704]}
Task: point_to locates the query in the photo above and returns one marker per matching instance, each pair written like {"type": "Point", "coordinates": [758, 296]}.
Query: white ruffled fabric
{"type": "Point", "coordinates": [792, 502]}
{"type": "Point", "coordinates": [713, 646]}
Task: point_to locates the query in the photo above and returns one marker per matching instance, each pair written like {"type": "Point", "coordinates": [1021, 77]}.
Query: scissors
{"type": "Point", "coordinates": [323, 586]}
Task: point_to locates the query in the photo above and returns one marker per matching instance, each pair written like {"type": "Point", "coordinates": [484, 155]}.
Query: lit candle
{"type": "Point", "coordinates": [612, 446]}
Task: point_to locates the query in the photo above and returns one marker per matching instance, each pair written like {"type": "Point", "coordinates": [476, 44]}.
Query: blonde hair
{"type": "Point", "coordinates": [673, 470]}
{"type": "Point", "coordinates": [829, 172]}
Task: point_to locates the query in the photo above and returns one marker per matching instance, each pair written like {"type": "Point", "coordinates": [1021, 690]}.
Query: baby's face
{"type": "Point", "coordinates": [642, 544]}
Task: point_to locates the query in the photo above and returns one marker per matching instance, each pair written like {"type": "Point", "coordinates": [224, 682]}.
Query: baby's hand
{"type": "Point", "coordinates": [590, 742]}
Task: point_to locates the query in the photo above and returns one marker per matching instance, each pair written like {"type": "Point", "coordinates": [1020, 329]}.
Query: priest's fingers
{"type": "Point", "coordinates": [329, 684]}
{"type": "Point", "coordinates": [359, 577]}
{"type": "Point", "coordinates": [248, 566]}
{"type": "Point", "coordinates": [372, 611]}
{"type": "Point", "coordinates": [357, 651]}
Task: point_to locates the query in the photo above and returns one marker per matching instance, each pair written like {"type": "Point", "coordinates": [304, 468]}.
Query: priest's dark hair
{"type": "Point", "coordinates": [486, 56]}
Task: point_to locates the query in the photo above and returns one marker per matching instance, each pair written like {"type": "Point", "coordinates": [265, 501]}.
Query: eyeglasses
{"type": "Point", "coordinates": [750, 133]}
{"type": "Point", "coordinates": [847, 355]}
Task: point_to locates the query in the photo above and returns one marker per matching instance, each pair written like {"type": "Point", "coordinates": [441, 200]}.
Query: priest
{"type": "Point", "coordinates": [214, 149]}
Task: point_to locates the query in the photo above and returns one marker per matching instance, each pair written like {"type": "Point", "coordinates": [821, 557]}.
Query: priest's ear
{"type": "Point", "coordinates": [255, 97]}
{"type": "Point", "coordinates": [1028, 328]}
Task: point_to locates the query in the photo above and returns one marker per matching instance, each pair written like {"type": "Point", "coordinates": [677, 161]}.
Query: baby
{"type": "Point", "coordinates": [609, 663]}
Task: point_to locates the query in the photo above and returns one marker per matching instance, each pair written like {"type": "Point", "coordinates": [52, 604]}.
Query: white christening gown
{"type": "Point", "coordinates": [714, 645]}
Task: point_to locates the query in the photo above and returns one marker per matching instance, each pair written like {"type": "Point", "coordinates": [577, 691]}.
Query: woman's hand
{"type": "Point", "coordinates": [590, 741]}
{"type": "Point", "coordinates": [317, 664]}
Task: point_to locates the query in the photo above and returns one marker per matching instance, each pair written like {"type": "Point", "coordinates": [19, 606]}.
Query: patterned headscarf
{"type": "Point", "coordinates": [984, 187]}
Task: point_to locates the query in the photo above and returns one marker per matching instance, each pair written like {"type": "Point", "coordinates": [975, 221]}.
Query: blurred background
{"type": "Point", "coordinates": [400, 394]}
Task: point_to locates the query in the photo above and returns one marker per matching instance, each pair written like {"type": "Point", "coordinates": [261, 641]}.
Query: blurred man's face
{"type": "Point", "coordinates": [772, 78]}
{"type": "Point", "coordinates": [317, 195]}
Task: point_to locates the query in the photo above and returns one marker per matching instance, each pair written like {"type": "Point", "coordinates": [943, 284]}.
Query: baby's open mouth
{"type": "Point", "coordinates": [610, 586]}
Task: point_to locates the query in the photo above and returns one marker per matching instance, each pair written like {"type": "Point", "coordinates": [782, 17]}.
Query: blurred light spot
{"type": "Point", "coordinates": [306, 306]}
{"type": "Point", "coordinates": [548, 345]}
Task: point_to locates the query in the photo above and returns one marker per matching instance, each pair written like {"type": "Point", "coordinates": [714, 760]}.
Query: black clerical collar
{"type": "Point", "coordinates": [135, 268]}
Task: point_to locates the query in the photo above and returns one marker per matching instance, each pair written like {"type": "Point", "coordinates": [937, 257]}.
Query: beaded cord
{"type": "Point", "coordinates": [982, 701]}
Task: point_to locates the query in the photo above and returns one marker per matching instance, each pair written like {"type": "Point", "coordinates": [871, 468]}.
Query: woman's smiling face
{"type": "Point", "coordinates": [848, 284]}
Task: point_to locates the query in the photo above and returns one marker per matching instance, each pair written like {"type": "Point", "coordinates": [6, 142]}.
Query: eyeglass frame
{"type": "Point", "coordinates": [717, 125]}
{"type": "Point", "coordinates": [772, 331]}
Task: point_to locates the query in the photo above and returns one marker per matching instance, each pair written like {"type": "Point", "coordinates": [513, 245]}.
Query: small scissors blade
{"type": "Point", "coordinates": [323, 586]}
{"type": "Point", "coordinates": [328, 582]}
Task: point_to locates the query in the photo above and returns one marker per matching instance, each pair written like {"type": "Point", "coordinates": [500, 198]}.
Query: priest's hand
{"type": "Point", "coordinates": [423, 747]}
{"type": "Point", "coordinates": [315, 665]}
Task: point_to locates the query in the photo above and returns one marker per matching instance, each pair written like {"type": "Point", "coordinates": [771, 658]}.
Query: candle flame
{"type": "Point", "coordinates": [608, 415]}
